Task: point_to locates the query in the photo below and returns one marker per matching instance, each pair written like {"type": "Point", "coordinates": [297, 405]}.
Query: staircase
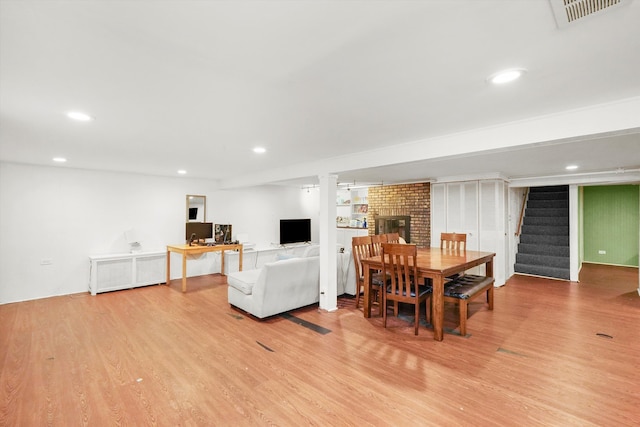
{"type": "Point", "coordinates": [544, 240]}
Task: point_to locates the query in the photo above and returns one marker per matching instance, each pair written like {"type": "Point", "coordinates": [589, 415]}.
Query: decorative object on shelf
{"type": "Point", "coordinates": [343, 199]}
{"type": "Point", "coordinates": [342, 221]}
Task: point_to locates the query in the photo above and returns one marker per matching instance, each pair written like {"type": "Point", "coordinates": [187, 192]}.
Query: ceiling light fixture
{"type": "Point", "coordinates": [59, 159]}
{"type": "Point", "coordinates": [79, 116]}
{"type": "Point", "coordinates": [259, 150]}
{"type": "Point", "coordinates": [506, 76]}
{"type": "Point", "coordinates": [182, 172]}
{"type": "Point", "coordinates": [571, 167]}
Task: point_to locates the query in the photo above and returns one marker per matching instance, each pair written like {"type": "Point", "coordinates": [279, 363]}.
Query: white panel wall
{"type": "Point", "coordinates": [62, 215]}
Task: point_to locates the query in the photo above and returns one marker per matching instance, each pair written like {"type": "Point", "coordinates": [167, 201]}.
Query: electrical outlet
{"type": "Point", "coordinates": [601, 252]}
{"type": "Point", "coordinates": [46, 261]}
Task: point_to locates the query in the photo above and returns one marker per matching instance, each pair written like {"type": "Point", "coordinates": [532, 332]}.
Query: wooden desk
{"type": "Point", "coordinates": [435, 264]}
{"type": "Point", "coordinates": [195, 250]}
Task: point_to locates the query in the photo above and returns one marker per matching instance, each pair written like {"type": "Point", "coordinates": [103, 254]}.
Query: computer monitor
{"type": "Point", "coordinates": [202, 230]}
{"type": "Point", "coordinates": [223, 233]}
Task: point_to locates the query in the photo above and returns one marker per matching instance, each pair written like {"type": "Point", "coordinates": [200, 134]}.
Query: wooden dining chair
{"type": "Point", "coordinates": [393, 238]}
{"type": "Point", "coordinates": [453, 241]}
{"type": "Point", "coordinates": [361, 248]}
{"type": "Point", "coordinates": [376, 243]}
{"type": "Point", "coordinates": [399, 263]}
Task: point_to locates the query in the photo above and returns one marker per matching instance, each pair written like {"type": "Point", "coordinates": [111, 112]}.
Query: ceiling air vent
{"type": "Point", "coordinates": [570, 11]}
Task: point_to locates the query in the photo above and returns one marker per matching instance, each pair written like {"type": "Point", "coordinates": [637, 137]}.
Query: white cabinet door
{"type": "Point", "coordinates": [462, 211]}
{"type": "Point", "coordinates": [494, 225]}
{"type": "Point", "coordinates": [438, 213]}
{"type": "Point", "coordinates": [477, 208]}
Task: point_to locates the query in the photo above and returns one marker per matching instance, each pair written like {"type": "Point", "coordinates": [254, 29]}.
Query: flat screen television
{"type": "Point", "coordinates": [202, 230]}
{"type": "Point", "coordinates": [295, 230]}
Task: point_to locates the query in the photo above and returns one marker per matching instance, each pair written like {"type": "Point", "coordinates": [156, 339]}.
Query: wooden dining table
{"type": "Point", "coordinates": [435, 264]}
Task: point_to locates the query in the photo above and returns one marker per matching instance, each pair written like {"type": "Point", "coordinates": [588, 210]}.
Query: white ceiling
{"type": "Point", "coordinates": [375, 91]}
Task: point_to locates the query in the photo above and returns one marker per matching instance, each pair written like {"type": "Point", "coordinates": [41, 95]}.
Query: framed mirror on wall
{"type": "Point", "coordinates": [196, 208]}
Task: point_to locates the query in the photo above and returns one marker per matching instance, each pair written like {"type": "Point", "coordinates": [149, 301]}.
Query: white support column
{"type": "Point", "coordinates": [328, 242]}
{"type": "Point", "coordinates": [574, 233]}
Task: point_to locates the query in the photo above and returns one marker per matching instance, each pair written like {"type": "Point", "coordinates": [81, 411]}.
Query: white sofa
{"type": "Point", "coordinates": [285, 285]}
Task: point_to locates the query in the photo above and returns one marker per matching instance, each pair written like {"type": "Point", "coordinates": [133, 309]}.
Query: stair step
{"type": "Point", "coordinates": [548, 195]}
{"type": "Point", "coordinates": [549, 189]}
{"type": "Point", "coordinates": [543, 260]}
{"type": "Point", "coordinates": [541, 239]}
{"type": "Point", "coordinates": [548, 230]}
{"type": "Point", "coordinates": [537, 204]}
{"type": "Point", "coordinates": [553, 250]}
{"type": "Point", "coordinates": [544, 242]}
{"type": "Point", "coordinates": [546, 220]}
{"type": "Point", "coordinates": [554, 212]}
{"type": "Point", "coordinates": [538, 270]}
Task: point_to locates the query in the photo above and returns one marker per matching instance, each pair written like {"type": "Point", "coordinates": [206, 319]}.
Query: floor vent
{"type": "Point", "coordinates": [570, 11]}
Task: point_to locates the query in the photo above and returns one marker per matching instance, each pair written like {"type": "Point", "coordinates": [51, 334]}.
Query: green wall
{"type": "Point", "coordinates": [611, 223]}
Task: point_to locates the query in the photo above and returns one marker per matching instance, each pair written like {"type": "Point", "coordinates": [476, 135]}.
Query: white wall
{"type": "Point", "coordinates": [64, 215]}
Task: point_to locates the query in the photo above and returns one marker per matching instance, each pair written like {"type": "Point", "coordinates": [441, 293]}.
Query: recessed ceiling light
{"type": "Point", "coordinates": [59, 159]}
{"type": "Point", "coordinates": [80, 116]}
{"type": "Point", "coordinates": [259, 150]}
{"type": "Point", "coordinates": [571, 167]}
{"type": "Point", "coordinates": [182, 172]}
{"type": "Point", "coordinates": [506, 76]}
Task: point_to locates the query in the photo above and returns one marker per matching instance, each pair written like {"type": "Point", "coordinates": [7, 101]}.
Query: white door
{"type": "Point", "coordinates": [438, 213]}
{"type": "Point", "coordinates": [462, 211]}
{"type": "Point", "coordinates": [494, 225]}
{"type": "Point", "coordinates": [454, 209]}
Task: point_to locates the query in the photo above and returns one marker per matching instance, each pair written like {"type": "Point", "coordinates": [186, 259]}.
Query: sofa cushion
{"type": "Point", "coordinates": [280, 257]}
{"type": "Point", "coordinates": [243, 280]}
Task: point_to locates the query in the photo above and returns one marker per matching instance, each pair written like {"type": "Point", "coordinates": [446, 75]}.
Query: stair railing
{"type": "Point", "coordinates": [524, 205]}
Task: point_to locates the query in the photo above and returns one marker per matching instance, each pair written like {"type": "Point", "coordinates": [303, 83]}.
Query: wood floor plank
{"type": "Point", "coordinates": [157, 356]}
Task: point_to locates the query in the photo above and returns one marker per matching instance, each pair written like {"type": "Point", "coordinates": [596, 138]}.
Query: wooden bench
{"type": "Point", "coordinates": [466, 288]}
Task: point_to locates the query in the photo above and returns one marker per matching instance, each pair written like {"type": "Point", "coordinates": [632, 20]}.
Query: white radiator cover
{"type": "Point", "coordinates": [124, 271]}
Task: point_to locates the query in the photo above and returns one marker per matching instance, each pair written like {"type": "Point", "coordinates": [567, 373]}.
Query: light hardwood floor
{"type": "Point", "coordinates": [156, 356]}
